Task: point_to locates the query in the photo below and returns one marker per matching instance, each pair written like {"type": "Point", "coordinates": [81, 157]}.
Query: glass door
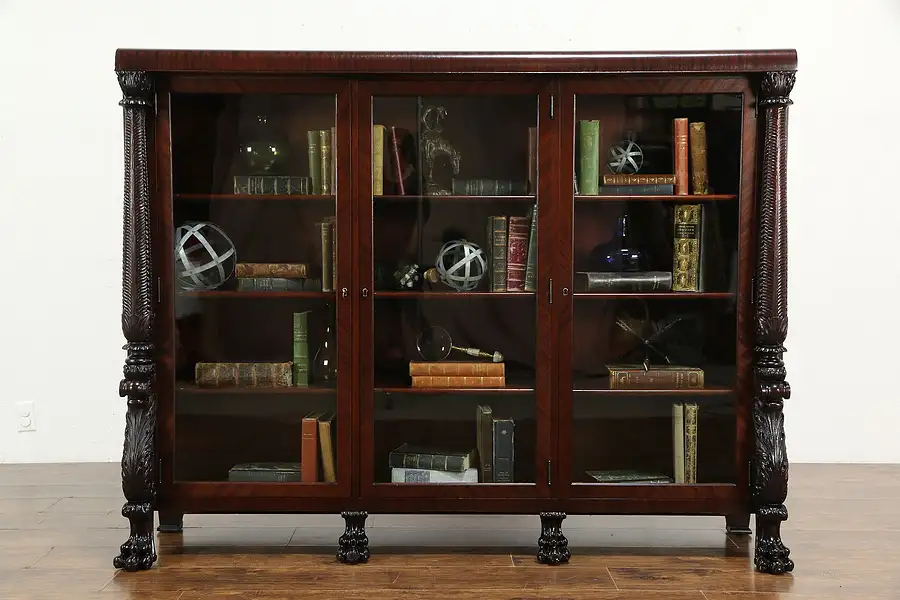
{"type": "Point", "coordinates": [655, 348]}
{"type": "Point", "coordinates": [260, 252]}
{"type": "Point", "coordinates": [454, 313]}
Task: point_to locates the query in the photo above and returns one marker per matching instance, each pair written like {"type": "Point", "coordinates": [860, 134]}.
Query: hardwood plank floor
{"type": "Point", "coordinates": [60, 527]}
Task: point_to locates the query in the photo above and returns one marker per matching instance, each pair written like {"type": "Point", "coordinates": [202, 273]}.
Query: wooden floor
{"type": "Point", "coordinates": [60, 528]}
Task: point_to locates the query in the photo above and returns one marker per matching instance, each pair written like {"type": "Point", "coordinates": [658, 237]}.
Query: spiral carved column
{"type": "Point", "coordinates": [770, 463]}
{"type": "Point", "coordinates": [139, 452]}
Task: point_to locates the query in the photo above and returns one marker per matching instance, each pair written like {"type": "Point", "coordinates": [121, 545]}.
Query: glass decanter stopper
{"type": "Point", "coordinates": [617, 255]}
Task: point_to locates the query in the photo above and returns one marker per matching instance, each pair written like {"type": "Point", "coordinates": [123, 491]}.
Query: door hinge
{"type": "Point", "coordinates": [158, 287]}
{"type": "Point", "coordinates": [549, 478]}
{"type": "Point", "coordinates": [552, 106]}
{"type": "Point", "coordinates": [752, 291]}
{"type": "Point", "coordinates": [550, 292]}
{"type": "Point", "coordinates": [159, 471]}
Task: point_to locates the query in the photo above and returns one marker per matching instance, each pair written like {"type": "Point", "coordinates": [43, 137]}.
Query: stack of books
{"type": "Point", "coordinates": [457, 374]}
{"type": "Point", "coordinates": [417, 464]}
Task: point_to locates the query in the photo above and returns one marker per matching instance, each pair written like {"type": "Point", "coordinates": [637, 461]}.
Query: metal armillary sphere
{"type": "Point", "coordinates": [625, 157]}
{"type": "Point", "coordinates": [461, 265]}
{"type": "Point", "coordinates": [204, 256]}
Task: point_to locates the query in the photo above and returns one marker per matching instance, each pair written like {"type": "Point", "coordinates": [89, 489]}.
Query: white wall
{"type": "Point", "coordinates": [61, 164]}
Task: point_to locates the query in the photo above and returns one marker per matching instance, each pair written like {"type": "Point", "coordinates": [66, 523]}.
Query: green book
{"type": "Point", "coordinates": [628, 476]}
{"type": "Point", "coordinates": [279, 472]}
{"type": "Point", "coordinates": [301, 349]}
{"type": "Point", "coordinates": [589, 157]}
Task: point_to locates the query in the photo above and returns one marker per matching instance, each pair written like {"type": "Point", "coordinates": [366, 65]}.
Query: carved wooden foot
{"type": "Point", "coordinates": [553, 547]}
{"type": "Point", "coordinates": [138, 553]}
{"type": "Point", "coordinates": [738, 523]}
{"type": "Point", "coordinates": [771, 555]}
{"type": "Point", "coordinates": [353, 545]}
{"type": "Point", "coordinates": [170, 522]}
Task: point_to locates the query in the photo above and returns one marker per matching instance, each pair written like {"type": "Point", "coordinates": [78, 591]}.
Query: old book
{"type": "Point", "coordinates": [402, 165]}
{"type": "Point", "coordinates": [638, 179]}
{"type": "Point", "coordinates": [411, 456]}
{"type": "Point", "coordinates": [309, 447]}
{"type": "Point", "coordinates": [332, 223]}
{"type": "Point", "coordinates": [532, 160]}
{"type": "Point", "coordinates": [678, 441]}
{"type": "Point", "coordinates": [314, 154]}
{"type": "Point", "coordinates": [484, 442]}
{"type": "Point", "coordinates": [277, 472]}
{"type": "Point", "coordinates": [488, 187]}
{"type": "Point", "coordinates": [655, 189]}
{"type": "Point", "coordinates": [463, 368]}
{"type": "Point", "coordinates": [325, 158]}
{"type": "Point", "coordinates": [497, 255]}
{"type": "Point", "coordinates": [271, 184]}
{"type": "Point", "coordinates": [326, 237]}
{"type": "Point", "coordinates": [504, 440]}
{"type": "Point", "coordinates": [300, 337]}
{"type": "Point", "coordinates": [276, 284]}
{"type": "Point", "coordinates": [516, 253]}
{"type": "Point", "coordinates": [686, 255]}
{"type": "Point", "coordinates": [643, 281]}
{"type": "Point", "coordinates": [657, 377]}
{"type": "Point", "coordinates": [627, 476]}
{"type": "Point", "coordinates": [433, 476]}
{"type": "Point", "coordinates": [588, 157]}
{"type": "Point", "coordinates": [457, 381]}
{"type": "Point", "coordinates": [377, 160]}
{"type": "Point", "coordinates": [242, 374]}
{"type": "Point", "coordinates": [690, 442]}
{"type": "Point", "coordinates": [289, 270]}
{"type": "Point", "coordinates": [699, 174]}
{"type": "Point", "coordinates": [682, 185]}
{"type": "Point", "coordinates": [334, 160]}
{"type": "Point", "coordinates": [531, 262]}
{"type": "Point", "coordinates": [326, 444]}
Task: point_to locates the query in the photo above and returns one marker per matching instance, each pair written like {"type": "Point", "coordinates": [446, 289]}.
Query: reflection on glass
{"type": "Point", "coordinates": [655, 182]}
{"type": "Point", "coordinates": [454, 269]}
{"type": "Point", "coordinates": [255, 253]}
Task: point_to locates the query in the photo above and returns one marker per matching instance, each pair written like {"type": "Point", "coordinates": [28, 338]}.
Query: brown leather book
{"type": "Point", "coordinates": [638, 179]}
{"type": "Point", "coordinates": [682, 180]}
{"type": "Point", "coordinates": [309, 448]}
{"type": "Point", "coordinates": [286, 270]}
{"type": "Point", "coordinates": [457, 368]}
{"type": "Point", "coordinates": [517, 253]}
{"type": "Point", "coordinates": [699, 175]}
{"type": "Point", "coordinates": [436, 381]}
{"type": "Point", "coordinates": [657, 377]}
{"type": "Point", "coordinates": [326, 444]}
{"type": "Point", "coordinates": [246, 374]}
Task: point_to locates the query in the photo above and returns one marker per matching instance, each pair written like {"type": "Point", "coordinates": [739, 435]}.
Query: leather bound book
{"type": "Point", "coordinates": [497, 257]}
{"type": "Point", "coordinates": [457, 368]}
{"type": "Point", "coordinates": [410, 456]}
{"type": "Point", "coordinates": [243, 374]}
{"type": "Point", "coordinates": [285, 270]}
{"type": "Point", "coordinates": [699, 175]}
{"type": "Point", "coordinates": [638, 179]}
{"type": "Point", "coordinates": [300, 336]}
{"type": "Point", "coordinates": [504, 450]}
{"type": "Point", "coordinates": [377, 160]}
{"type": "Point", "coordinates": [314, 153]}
{"type": "Point", "coordinates": [686, 253]}
{"type": "Point", "coordinates": [657, 377]}
{"type": "Point", "coordinates": [484, 436]}
{"type": "Point", "coordinates": [643, 281]}
{"type": "Point", "coordinates": [682, 186]}
{"type": "Point", "coordinates": [326, 444]}
{"type": "Point", "coordinates": [588, 157]}
{"type": "Point", "coordinates": [309, 448]}
{"type": "Point", "coordinates": [325, 165]}
{"type": "Point", "coordinates": [690, 442]}
{"type": "Point", "coordinates": [531, 261]}
{"type": "Point", "coordinates": [459, 381]}
{"type": "Point", "coordinates": [517, 253]}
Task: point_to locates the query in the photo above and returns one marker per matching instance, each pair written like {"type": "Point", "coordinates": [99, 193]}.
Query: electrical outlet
{"type": "Point", "coordinates": [26, 416]}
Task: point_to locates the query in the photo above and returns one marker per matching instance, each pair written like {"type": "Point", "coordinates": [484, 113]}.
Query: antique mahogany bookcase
{"type": "Point", "coordinates": [356, 169]}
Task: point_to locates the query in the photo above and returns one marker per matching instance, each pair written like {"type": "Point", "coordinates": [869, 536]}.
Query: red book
{"type": "Point", "coordinates": [309, 448]}
{"type": "Point", "coordinates": [681, 157]}
{"type": "Point", "coordinates": [517, 253]}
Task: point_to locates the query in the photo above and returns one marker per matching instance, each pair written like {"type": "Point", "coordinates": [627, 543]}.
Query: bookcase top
{"type": "Point", "coordinates": [305, 62]}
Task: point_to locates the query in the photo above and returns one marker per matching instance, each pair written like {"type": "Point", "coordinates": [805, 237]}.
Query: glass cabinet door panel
{"type": "Point", "coordinates": [454, 270]}
{"type": "Point", "coordinates": [655, 220]}
{"type": "Point", "coordinates": [255, 307]}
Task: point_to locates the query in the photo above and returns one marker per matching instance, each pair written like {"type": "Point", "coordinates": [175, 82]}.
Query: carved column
{"type": "Point", "coordinates": [770, 463]}
{"type": "Point", "coordinates": [139, 453]}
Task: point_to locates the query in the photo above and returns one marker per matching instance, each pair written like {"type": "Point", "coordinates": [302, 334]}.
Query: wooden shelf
{"type": "Point", "coordinates": [256, 294]}
{"type": "Point", "coordinates": [289, 197]}
{"type": "Point", "coordinates": [189, 388]}
{"type": "Point", "coordinates": [649, 295]}
{"type": "Point", "coordinates": [466, 390]}
{"type": "Point", "coordinates": [449, 294]}
{"type": "Point", "coordinates": [656, 198]}
{"type": "Point", "coordinates": [393, 198]}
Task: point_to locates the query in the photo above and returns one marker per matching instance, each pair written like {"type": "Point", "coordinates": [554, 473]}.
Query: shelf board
{"type": "Point", "coordinates": [648, 295]}
{"type": "Point", "coordinates": [395, 198]}
{"type": "Point", "coordinates": [189, 388]}
{"type": "Point", "coordinates": [256, 294]}
{"type": "Point", "coordinates": [307, 197]}
{"type": "Point", "coordinates": [466, 390]}
{"type": "Point", "coordinates": [450, 294]}
{"type": "Point", "coordinates": [655, 198]}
